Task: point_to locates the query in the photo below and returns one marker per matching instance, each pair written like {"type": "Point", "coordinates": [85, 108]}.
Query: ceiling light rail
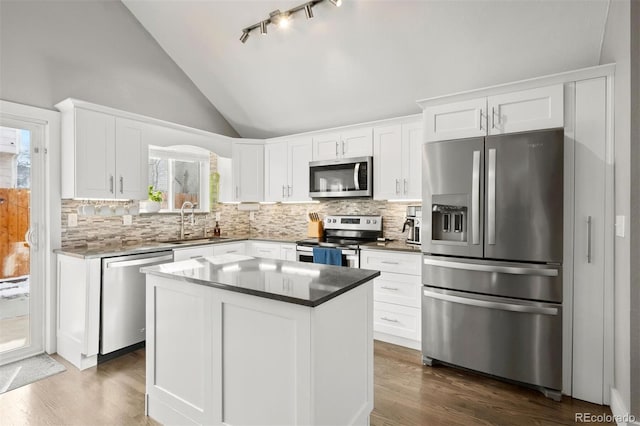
{"type": "Point", "coordinates": [282, 19]}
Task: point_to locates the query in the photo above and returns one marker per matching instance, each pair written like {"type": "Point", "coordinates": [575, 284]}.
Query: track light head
{"type": "Point", "coordinates": [244, 36]}
{"type": "Point", "coordinates": [263, 27]}
{"type": "Point", "coordinates": [336, 3]}
{"type": "Point", "coordinates": [308, 11]}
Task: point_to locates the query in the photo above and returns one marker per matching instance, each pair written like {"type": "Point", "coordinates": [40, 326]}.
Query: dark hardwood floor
{"type": "Point", "coordinates": [406, 393]}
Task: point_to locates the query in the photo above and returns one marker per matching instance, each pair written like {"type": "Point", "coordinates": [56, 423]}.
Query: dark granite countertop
{"type": "Point", "coordinates": [143, 247]}
{"type": "Point", "coordinates": [392, 246]}
{"type": "Point", "coordinates": [306, 284]}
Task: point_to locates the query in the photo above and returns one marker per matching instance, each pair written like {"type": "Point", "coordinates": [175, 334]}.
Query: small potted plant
{"type": "Point", "coordinates": [153, 204]}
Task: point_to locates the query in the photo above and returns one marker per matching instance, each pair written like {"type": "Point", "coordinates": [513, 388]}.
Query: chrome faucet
{"type": "Point", "coordinates": [186, 204]}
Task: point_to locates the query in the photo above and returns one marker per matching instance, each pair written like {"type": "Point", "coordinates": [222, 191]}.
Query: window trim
{"type": "Point", "coordinates": [205, 172]}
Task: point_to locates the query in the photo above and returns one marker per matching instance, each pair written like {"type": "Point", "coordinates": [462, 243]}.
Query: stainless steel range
{"type": "Point", "coordinates": [345, 233]}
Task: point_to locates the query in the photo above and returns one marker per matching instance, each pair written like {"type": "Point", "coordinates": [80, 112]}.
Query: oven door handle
{"type": "Point", "coordinates": [492, 305]}
{"type": "Point", "coordinates": [345, 252]}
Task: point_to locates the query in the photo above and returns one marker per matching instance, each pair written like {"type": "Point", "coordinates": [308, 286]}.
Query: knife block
{"type": "Point", "coordinates": [315, 230]}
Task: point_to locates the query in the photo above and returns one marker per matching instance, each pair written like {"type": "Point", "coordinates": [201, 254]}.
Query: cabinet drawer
{"type": "Point", "coordinates": [193, 252]}
{"type": "Point", "coordinates": [397, 288]}
{"type": "Point", "coordinates": [236, 248]}
{"type": "Point", "coordinates": [266, 250]}
{"type": "Point", "coordinates": [390, 261]}
{"type": "Point", "coordinates": [397, 320]}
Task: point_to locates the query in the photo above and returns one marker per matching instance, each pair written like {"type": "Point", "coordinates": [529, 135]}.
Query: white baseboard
{"type": "Point", "coordinates": [620, 411]}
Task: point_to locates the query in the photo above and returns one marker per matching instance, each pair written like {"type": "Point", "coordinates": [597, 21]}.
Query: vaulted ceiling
{"type": "Point", "coordinates": [366, 60]}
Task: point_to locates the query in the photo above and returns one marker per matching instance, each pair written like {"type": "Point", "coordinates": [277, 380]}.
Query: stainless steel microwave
{"type": "Point", "coordinates": [346, 177]}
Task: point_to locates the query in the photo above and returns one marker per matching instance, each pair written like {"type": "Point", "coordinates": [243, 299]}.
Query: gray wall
{"type": "Point", "coordinates": [635, 209]}
{"type": "Point", "coordinates": [616, 48]}
{"type": "Point", "coordinates": [98, 52]}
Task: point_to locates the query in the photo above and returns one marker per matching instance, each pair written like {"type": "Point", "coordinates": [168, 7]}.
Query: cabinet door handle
{"type": "Point", "coordinates": [111, 184]}
{"type": "Point", "coordinates": [237, 192]}
{"type": "Point", "coordinates": [343, 148]}
{"type": "Point", "coordinates": [481, 114]}
{"type": "Point", "coordinates": [283, 192]}
{"type": "Point", "coordinates": [397, 186]}
{"type": "Point", "coordinates": [337, 152]}
{"type": "Point", "coordinates": [390, 288]}
{"type": "Point", "coordinates": [121, 185]}
{"type": "Point", "coordinates": [589, 221]}
{"type": "Point", "coordinates": [493, 117]}
{"type": "Point", "coordinates": [289, 190]}
{"type": "Point", "coordinates": [386, 262]}
{"type": "Point", "coordinates": [389, 319]}
{"type": "Point", "coordinates": [405, 186]}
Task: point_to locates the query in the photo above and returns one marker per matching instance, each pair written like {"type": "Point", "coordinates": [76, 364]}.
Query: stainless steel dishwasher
{"type": "Point", "coordinates": [122, 313]}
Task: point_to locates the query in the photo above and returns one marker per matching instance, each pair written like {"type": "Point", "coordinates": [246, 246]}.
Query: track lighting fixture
{"type": "Point", "coordinates": [308, 11]}
{"type": "Point", "coordinates": [282, 19]}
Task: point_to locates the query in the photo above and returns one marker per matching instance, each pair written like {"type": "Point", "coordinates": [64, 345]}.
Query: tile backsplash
{"type": "Point", "coordinates": [282, 221]}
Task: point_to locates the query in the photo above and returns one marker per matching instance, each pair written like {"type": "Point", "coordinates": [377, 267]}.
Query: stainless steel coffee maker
{"type": "Point", "coordinates": [413, 221]}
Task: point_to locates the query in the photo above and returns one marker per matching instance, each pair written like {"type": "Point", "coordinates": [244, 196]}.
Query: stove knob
{"type": "Point", "coordinates": [374, 221]}
{"type": "Point", "coordinates": [368, 221]}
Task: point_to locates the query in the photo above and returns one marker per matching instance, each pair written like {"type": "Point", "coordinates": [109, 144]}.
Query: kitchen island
{"type": "Point", "coordinates": [236, 340]}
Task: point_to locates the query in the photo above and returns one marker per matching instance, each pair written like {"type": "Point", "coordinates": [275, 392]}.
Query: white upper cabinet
{"type": "Point", "coordinates": [248, 171]}
{"type": "Point", "coordinates": [412, 140]}
{"type": "Point", "coordinates": [287, 170]}
{"type": "Point", "coordinates": [132, 153]}
{"type": "Point", "coordinates": [397, 161]}
{"type": "Point", "coordinates": [534, 109]}
{"type": "Point", "coordinates": [275, 172]}
{"type": "Point", "coordinates": [103, 156]}
{"type": "Point", "coordinates": [541, 108]}
{"type": "Point", "coordinates": [299, 154]}
{"type": "Point", "coordinates": [89, 142]}
{"type": "Point", "coordinates": [457, 120]}
{"type": "Point", "coordinates": [346, 144]}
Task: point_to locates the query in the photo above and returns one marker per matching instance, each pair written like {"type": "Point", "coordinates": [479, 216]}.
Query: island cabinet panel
{"type": "Point", "coordinates": [227, 358]}
{"type": "Point", "coordinates": [259, 337]}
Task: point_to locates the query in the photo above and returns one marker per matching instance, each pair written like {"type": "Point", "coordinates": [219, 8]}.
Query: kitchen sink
{"type": "Point", "coordinates": [195, 240]}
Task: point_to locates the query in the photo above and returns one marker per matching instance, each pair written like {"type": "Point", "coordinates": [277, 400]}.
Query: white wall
{"type": "Point", "coordinates": [98, 52]}
{"type": "Point", "coordinates": [635, 208]}
{"type": "Point", "coordinates": [616, 48]}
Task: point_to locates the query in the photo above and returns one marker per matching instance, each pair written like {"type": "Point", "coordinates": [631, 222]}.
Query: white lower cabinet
{"type": "Point", "coordinates": [288, 252]}
{"type": "Point", "coordinates": [239, 247]}
{"type": "Point", "coordinates": [265, 249]}
{"type": "Point", "coordinates": [397, 315]}
{"type": "Point", "coordinates": [192, 252]}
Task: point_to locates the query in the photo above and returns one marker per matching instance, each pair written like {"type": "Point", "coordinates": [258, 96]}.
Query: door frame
{"type": "Point", "coordinates": [50, 236]}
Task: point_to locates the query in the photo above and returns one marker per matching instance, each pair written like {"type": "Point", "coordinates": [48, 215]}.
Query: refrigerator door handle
{"type": "Point", "coordinates": [491, 197]}
{"type": "Point", "coordinates": [514, 270]}
{"type": "Point", "coordinates": [492, 305]}
{"type": "Point", "coordinates": [475, 199]}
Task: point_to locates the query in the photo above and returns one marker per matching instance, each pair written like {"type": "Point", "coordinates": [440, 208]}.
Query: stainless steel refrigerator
{"type": "Point", "coordinates": [492, 256]}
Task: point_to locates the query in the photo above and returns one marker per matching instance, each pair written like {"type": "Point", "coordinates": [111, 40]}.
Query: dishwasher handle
{"type": "Point", "coordinates": [139, 262]}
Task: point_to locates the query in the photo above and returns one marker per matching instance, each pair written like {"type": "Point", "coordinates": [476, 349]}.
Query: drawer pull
{"type": "Point", "coordinates": [386, 262]}
{"type": "Point", "coordinates": [389, 319]}
{"type": "Point", "coordinates": [231, 251]}
{"type": "Point", "coordinates": [390, 288]}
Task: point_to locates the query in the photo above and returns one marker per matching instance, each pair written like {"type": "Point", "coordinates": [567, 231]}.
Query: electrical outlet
{"type": "Point", "coordinates": [126, 219]}
{"type": "Point", "coordinates": [252, 215]}
{"type": "Point", "coordinates": [620, 226]}
{"type": "Point", "coordinates": [72, 220]}
{"type": "Point", "coordinates": [217, 215]}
